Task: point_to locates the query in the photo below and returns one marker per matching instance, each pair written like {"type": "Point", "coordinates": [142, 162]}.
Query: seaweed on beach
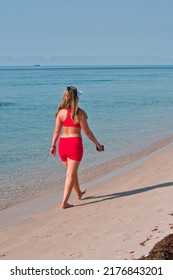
{"type": "Point", "coordinates": [163, 250]}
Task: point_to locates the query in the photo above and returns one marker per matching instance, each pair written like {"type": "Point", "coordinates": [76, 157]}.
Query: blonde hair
{"type": "Point", "coordinates": [69, 100]}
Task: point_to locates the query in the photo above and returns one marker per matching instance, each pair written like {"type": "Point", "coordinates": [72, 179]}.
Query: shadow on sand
{"type": "Point", "coordinates": [101, 198]}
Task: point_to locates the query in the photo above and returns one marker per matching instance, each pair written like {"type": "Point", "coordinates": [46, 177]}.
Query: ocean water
{"type": "Point", "coordinates": [129, 108]}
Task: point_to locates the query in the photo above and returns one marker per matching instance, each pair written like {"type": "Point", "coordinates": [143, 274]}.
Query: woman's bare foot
{"type": "Point", "coordinates": [66, 205]}
{"type": "Point", "coordinates": [81, 194]}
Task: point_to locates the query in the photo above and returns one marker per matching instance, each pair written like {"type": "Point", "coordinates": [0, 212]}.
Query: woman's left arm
{"type": "Point", "coordinates": [85, 127]}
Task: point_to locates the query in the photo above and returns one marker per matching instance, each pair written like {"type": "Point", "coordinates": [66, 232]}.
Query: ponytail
{"type": "Point", "coordinates": [69, 100]}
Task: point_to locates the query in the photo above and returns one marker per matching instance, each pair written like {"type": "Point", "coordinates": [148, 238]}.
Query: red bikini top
{"type": "Point", "coordinates": [68, 121]}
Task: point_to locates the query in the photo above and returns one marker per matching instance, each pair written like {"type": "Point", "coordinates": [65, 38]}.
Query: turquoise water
{"type": "Point", "coordinates": [129, 108]}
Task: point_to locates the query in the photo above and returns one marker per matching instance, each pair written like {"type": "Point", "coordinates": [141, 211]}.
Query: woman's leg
{"type": "Point", "coordinates": [72, 167]}
{"type": "Point", "coordinates": [76, 184]}
{"type": "Point", "coordinates": [77, 188]}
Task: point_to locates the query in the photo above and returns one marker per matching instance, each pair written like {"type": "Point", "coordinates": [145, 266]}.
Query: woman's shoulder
{"type": "Point", "coordinates": [61, 113]}
{"type": "Point", "coordinates": [82, 113]}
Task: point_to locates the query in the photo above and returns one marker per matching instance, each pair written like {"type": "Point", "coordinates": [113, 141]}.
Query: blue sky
{"type": "Point", "coordinates": [73, 32]}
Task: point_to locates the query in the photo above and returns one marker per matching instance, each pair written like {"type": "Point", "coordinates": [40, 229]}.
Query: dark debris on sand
{"type": "Point", "coordinates": [163, 250]}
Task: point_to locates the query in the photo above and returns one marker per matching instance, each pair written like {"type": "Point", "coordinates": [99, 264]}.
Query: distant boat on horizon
{"type": "Point", "coordinates": [36, 65]}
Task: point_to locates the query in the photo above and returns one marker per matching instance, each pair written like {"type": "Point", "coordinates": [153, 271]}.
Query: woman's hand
{"type": "Point", "coordinates": [53, 151]}
{"type": "Point", "coordinates": [100, 148]}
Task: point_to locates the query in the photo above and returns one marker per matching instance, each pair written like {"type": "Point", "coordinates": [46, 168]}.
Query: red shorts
{"type": "Point", "coordinates": [70, 147]}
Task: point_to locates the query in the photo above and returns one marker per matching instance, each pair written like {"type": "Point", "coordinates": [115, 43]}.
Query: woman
{"type": "Point", "coordinates": [72, 119]}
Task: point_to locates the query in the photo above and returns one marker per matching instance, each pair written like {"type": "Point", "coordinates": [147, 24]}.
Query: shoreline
{"type": "Point", "coordinates": [87, 177]}
{"type": "Point", "coordinates": [122, 216]}
{"type": "Point", "coordinates": [18, 213]}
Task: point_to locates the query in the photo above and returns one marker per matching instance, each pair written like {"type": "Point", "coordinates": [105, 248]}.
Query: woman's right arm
{"type": "Point", "coordinates": [57, 131]}
{"type": "Point", "coordinates": [85, 127]}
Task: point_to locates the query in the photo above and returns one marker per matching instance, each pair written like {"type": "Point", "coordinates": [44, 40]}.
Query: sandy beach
{"type": "Point", "coordinates": [121, 216]}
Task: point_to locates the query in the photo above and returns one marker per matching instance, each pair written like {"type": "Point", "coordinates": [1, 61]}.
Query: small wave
{"type": "Point", "coordinates": [101, 80]}
{"type": "Point", "coordinates": [6, 103]}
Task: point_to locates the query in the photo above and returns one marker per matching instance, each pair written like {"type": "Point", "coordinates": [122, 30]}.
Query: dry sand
{"type": "Point", "coordinates": [121, 217]}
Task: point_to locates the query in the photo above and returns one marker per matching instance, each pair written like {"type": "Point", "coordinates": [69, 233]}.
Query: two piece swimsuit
{"type": "Point", "coordinates": [70, 147]}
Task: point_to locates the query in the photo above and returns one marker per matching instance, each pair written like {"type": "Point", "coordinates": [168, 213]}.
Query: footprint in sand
{"type": "Point", "coordinates": [36, 236]}
{"type": "Point", "coordinates": [31, 218]}
{"type": "Point", "coordinates": [70, 234]}
{"type": "Point", "coordinates": [76, 254]}
{"type": "Point", "coordinates": [155, 229]}
{"type": "Point", "coordinates": [143, 243]}
{"type": "Point", "coordinates": [132, 252]}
